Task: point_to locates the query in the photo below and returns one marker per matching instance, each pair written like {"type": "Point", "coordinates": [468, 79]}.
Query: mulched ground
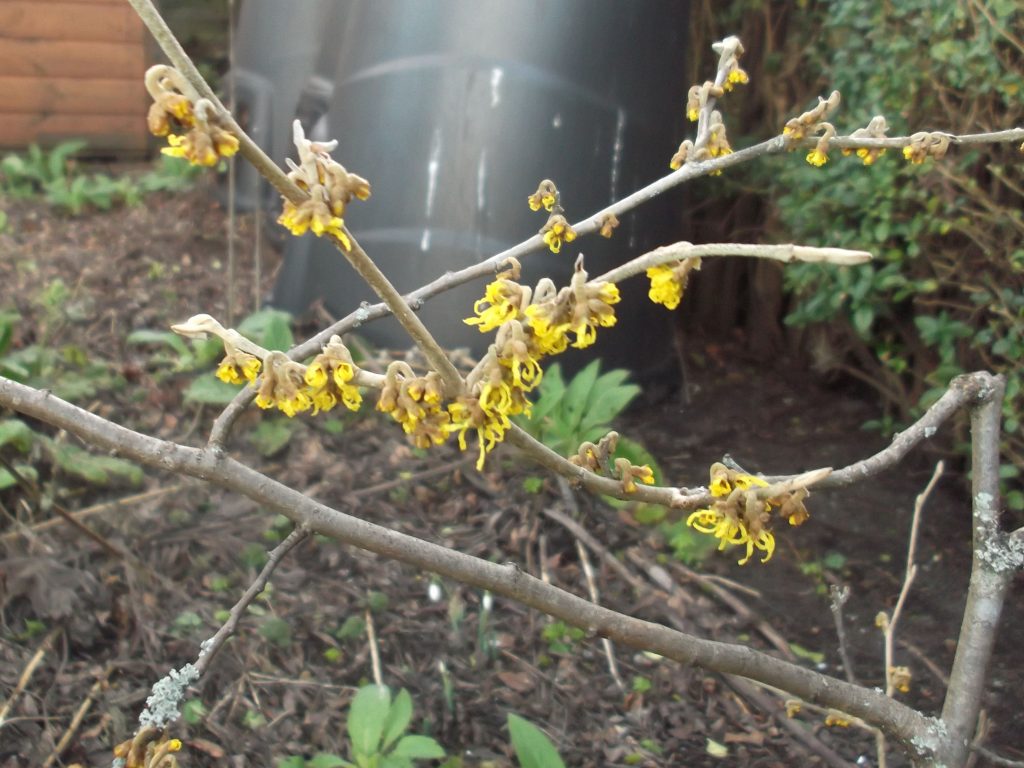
{"type": "Point", "coordinates": [106, 617]}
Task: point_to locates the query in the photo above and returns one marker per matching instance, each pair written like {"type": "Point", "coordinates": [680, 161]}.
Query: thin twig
{"type": "Point", "coordinates": [212, 646]}
{"type": "Point", "coordinates": [26, 674]}
{"type": "Point", "coordinates": [837, 599]}
{"type": "Point", "coordinates": [588, 573]}
{"type": "Point", "coordinates": [76, 720]}
{"type": "Point", "coordinates": [355, 255]}
{"type": "Point", "coordinates": [996, 758]}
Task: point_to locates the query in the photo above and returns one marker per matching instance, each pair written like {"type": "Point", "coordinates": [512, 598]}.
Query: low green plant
{"type": "Point", "coordinates": [533, 749]}
{"type": "Point", "coordinates": [55, 176]}
{"type": "Point", "coordinates": [377, 735]}
{"type": "Point", "coordinates": [560, 637]}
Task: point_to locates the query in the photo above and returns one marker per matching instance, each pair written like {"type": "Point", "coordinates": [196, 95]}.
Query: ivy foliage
{"type": "Point", "coordinates": [945, 294]}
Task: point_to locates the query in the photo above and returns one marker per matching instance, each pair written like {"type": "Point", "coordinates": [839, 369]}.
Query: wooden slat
{"type": "Point", "coordinates": [78, 2]}
{"type": "Point", "coordinates": [23, 20]}
{"type": "Point", "coordinates": [108, 132]}
{"type": "Point", "coordinates": [73, 96]}
{"type": "Point", "coordinates": [47, 58]}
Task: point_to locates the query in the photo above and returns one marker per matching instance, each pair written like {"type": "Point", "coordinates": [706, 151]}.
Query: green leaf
{"type": "Point", "coordinates": [270, 328]}
{"type": "Point", "coordinates": [397, 720]}
{"type": "Point", "coordinates": [417, 747]}
{"type": "Point", "coordinates": [294, 761]}
{"type": "Point", "coordinates": [16, 432]}
{"type": "Point", "coordinates": [577, 394]}
{"type": "Point", "coordinates": [171, 339]}
{"type": "Point", "coordinates": [271, 435]}
{"type": "Point", "coordinates": [607, 404]}
{"type": "Point", "coordinates": [277, 631]}
{"type": "Point", "coordinates": [813, 656]}
{"type": "Point", "coordinates": [326, 760]}
{"type": "Point", "coordinates": [209, 389]}
{"type": "Point", "coordinates": [533, 748]}
{"type": "Point", "coordinates": [101, 470]}
{"type": "Point", "coordinates": [366, 718]}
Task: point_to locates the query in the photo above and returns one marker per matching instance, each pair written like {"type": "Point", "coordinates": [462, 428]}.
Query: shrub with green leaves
{"type": "Point", "coordinates": [946, 293]}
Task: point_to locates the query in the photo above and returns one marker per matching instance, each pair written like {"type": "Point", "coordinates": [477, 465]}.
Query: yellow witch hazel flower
{"type": "Point", "coordinates": [330, 189]}
{"type": "Point", "coordinates": [739, 518]}
{"type": "Point", "coordinates": [668, 281]}
{"type": "Point", "coordinates": [200, 134]}
{"type": "Point", "coordinates": [557, 231]}
{"type": "Point", "coordinates": [329, 377]}
{"type": "Point", "coordinates": [282, 385]}
{"type": "Point", "coordinates": [415, 403]}
{"type": "Point", "coordinates": [503, 301]}
{"type": "Point", "coordinates": [545, 197]}
{"type": "Point", "coordinates": [238, 367]}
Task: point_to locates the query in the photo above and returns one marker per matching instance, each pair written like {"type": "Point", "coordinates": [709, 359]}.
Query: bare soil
{"type": "Point", "coordinates": [111, 614]}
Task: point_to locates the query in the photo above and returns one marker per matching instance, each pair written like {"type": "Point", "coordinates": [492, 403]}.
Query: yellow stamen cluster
{"type": "Point", "coordinates": [503, 300]}
{"type": "Point", "coordinates": [742, 514]}
{"type": "Point", "coordinates": [730, 49]}
{"type": "Point", "coordinates": [817, 158]}
{"type": "Point", "coordinates": [283, 385]}
{"type": "Point", "coordinates": [812, 121]}
{"type": "Point", "coordinates": [924, 145]}
{"type": "Point", "coordinates": [415, 403]}
{"type": "Point", "coordinates": [331, 188]}
{"type": "Point", "coordinates": [238, 367]}
{"type": "Point", "coordinates": [876, 129]}
{"type": "Point", "coordinates": [579, 308]}
{"type": "Point", "coordinates": [545, 197]}
{"type": "Point", "coordinates": [329, 376]}
{"type": "Point", "coordinates": [557, 231]}
{"type": "Point", "coordinates": [668, 281]}
{"type": "Point", "coordinates": [200, 135]}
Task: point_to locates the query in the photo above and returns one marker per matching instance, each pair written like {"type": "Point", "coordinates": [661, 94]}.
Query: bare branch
{"type": "Point", "coordinates": [901, 722]}
{"type": "Point", "coordinates": [212, 646]}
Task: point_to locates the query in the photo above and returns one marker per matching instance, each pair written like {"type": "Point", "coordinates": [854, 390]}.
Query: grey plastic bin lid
{"type": "Point", "coordinates": [455, 110]}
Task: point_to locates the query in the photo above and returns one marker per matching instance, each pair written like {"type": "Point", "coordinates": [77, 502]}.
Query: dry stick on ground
{"type": "Point", "coordinates": [889, 628]}
{"type": "Point", "coordinates": [26, 674]}
{"type": "Point", "coordinates": [919, 734]}
{"type": "Point", "coordinates": [76, 720]}
{"type": "Point", "coordinates": [588, 573]}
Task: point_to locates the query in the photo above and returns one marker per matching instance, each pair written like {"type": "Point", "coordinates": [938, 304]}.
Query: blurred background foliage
{"type": "Point", "coordinates": [945, 294]}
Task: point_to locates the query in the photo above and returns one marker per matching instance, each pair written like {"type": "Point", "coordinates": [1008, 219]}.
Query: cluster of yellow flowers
{"type": "Point", "coordinates": [742, 516]}
{"type": "Point", "coordinates": [330, 189]}
{"type": "Point", "coordinates": [415, 403]}
{"type": "Point", "coordinates": [198, 136]}
{"type": "Point", "coordinates": [292, 387]}
{"type": "Point", "coordinates": [530, 325]}
{"type": "Point", "coordinates": [668, 281]}
{"type": "Point", "coordinates": [598, 458]}
{"type": "Point", "coordinates": [813, 122]}
{"type": "Point", "coordinates": [557, 230]}
{"type": "Point", "coordinates": [713, 142]}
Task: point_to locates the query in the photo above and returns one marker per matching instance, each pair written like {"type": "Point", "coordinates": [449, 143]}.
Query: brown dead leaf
{"type": "Point", "coordinates": [520, 682]}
